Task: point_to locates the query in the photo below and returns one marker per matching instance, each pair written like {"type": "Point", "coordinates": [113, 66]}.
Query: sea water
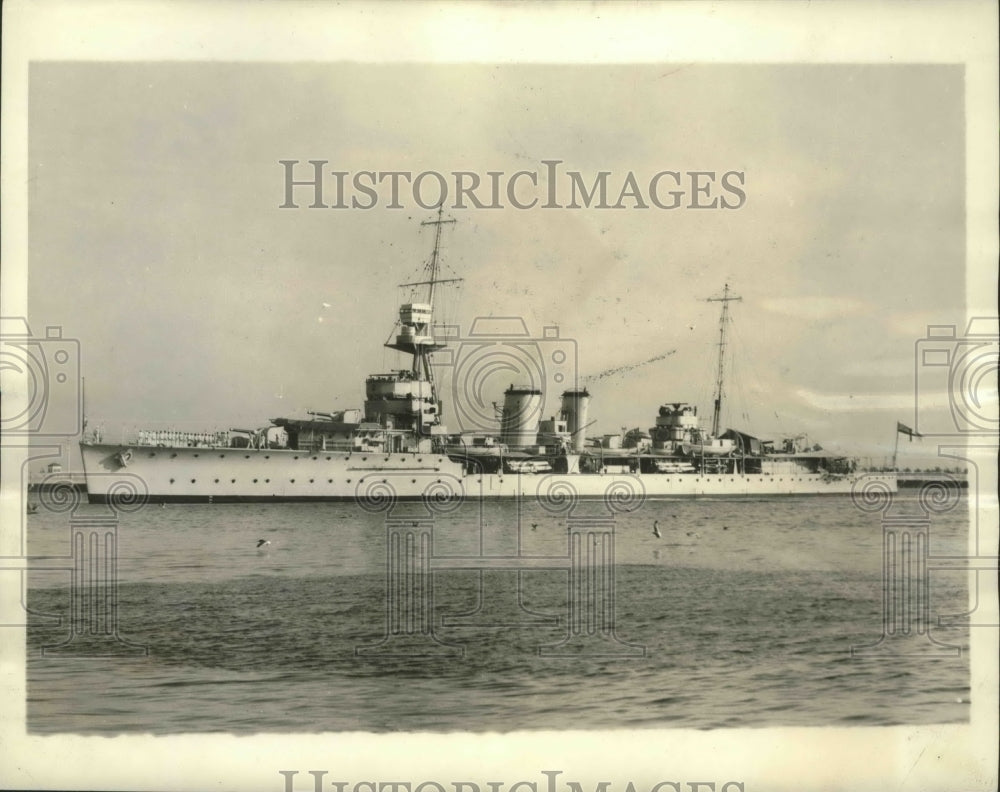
{"type": "Point", "coordinates": [493, 616]}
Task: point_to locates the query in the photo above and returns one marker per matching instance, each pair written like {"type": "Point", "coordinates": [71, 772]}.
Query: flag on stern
{"type": "Point", "coordinates": [904, 429]}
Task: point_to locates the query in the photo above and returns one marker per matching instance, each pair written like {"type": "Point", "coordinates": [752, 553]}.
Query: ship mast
{"type": "Point", "coordinates": [725, 299]}
{"type": "Point", "coordinates": [416, 337]}
{"type": "Point", "coordinates": [424, 341]}
{"type": "Point", "coordinates": [432, 266]}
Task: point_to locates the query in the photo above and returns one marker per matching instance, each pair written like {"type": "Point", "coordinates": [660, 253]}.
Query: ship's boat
{"type": "Point", "coordinates": [712, 447]}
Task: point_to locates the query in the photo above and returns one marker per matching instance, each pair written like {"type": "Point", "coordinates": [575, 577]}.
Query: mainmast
{"type": "Point", "coordinates": [725, 299]}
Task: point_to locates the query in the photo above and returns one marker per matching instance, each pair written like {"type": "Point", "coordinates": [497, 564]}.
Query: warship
{"type": "Point", "coordinates": [398, 447]}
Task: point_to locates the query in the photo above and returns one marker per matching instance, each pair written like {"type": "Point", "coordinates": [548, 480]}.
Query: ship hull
{"type": "Point", "coordinates": [228, 475]}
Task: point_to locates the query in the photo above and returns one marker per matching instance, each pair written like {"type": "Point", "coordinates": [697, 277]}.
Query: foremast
{"type": "Point", "coordinates": [416, 336]}
{"type": "Point", "coordinates": [407, 401]}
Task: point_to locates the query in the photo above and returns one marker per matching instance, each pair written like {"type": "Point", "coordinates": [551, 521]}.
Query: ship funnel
{"type": "Point", "coordinates": [522, 408]}
{"type": "Point", "coordinates": [574, 410]}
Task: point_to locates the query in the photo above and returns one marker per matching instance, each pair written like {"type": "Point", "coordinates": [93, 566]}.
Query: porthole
{"type": "Point", "coordinates": [267, 481]}
{"type": "Point", "coordinates": [255, 481]}
{"type": "Point", "coordinates": [216, 481]}
{"type": "Point", "coordinates": [232, 481]}
{"type": "Point", "coordinates": [196, 456]}
{"type": "Point", "coordinates": [222, 456]}
{"type": "Point", "coordinates": [316, 457]}
{"type": "Point", "coordinates": [296, 456]}
{"type": "Point", "coordinates": [291, 481]}
{"type": "Point", "coordinates": [329, 481]}
{"type": "Point", "coordinates": [153, 454]}
{"type": "Point", "coordinates": [413, 481]}
{"type": "Point", "coordinates": [173, 455]}
{"type": "Point", "coordinates": [312, 481]}
{"type": "Point", "coordinates": [171, 481]}
{"type": "Point", "coordinates": [267, 456]}
{"type": "Point", "coordinates": [348, 481]}
{"type": "Point", "coordinates": [328, 459]}
{"type": "Point", "coordinates": [246, 456]}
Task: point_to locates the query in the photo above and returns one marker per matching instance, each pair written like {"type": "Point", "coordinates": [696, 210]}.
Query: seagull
{"type": "Point", "coordinates": [694, 534]}
{"type": "Point", "coordinates": [263, 543]}
{"type": "Point", "coordinates": [725, 527]}
{"type": "Point", "coordinates": [656, 529]}
{"type": "Point", "coordinates": [534, 526]}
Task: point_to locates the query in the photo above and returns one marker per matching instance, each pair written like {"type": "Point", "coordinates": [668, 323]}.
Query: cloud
{"type": "Point", "coordinates": [903, 401]}
{"type": "Point", "coordinates": [878, 367]}
{"type": "Point", "coordinates": [815, 307]}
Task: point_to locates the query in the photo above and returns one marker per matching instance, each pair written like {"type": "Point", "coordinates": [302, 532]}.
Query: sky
{"type": "Point", "coordinates": [155, 239]}
{"type": "Point", "coordinates": [156, 235]}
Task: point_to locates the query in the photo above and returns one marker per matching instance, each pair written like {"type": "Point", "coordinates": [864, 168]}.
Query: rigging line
{"type": "Point", "coordinates": [725, 299]}
{"type": "Point", "coordinates": [392, 332]}
{"type": "Point", "coordinates": [749, 365]}
{"type": "Point", "coordinates": [626, 368]}
{"type": "Point", "coordinates": [737, 360]}
{"type": "Point", "coordinates": [432, 266]}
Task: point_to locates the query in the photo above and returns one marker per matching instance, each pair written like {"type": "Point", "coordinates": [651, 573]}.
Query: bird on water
{"type": "Point", "coordinates": [263, 543]}
{"type": "Point", "coordinates": [656, 529]}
